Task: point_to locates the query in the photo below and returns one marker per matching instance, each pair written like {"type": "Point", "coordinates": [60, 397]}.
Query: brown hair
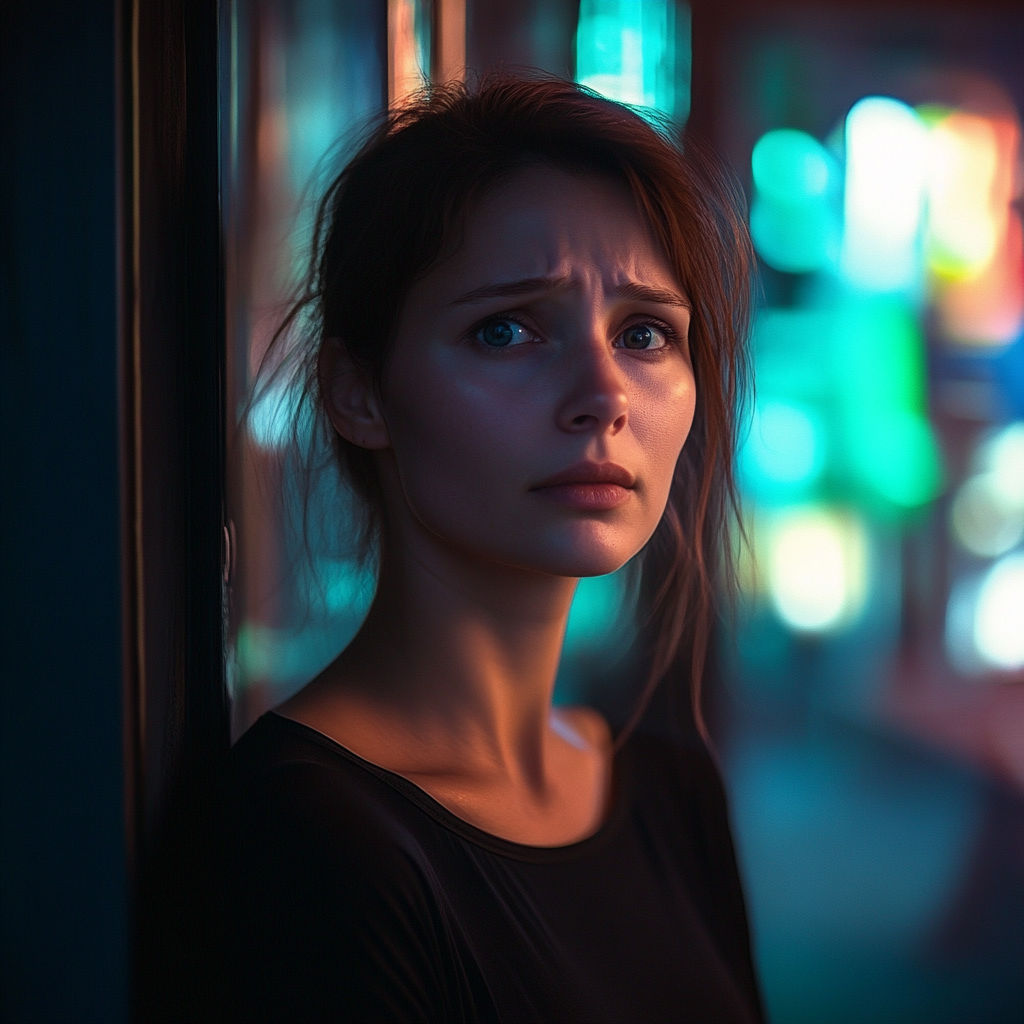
{"type": "Point", "coordinates": [398, 207]}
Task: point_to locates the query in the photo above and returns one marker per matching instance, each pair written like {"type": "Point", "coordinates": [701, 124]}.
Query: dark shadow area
{"type": "Point", "coordinates": [62, 859]}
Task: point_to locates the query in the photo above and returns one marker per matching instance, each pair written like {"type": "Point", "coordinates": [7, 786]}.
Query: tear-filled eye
{"type": "Point", "coordinates": [502, 333]}
{"type": "Point", "coordinates": [643, 336]}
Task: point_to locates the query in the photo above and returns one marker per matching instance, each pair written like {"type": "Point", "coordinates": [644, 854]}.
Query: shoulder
{"type": "Point", "coordinates": [329, 905]}
{"type": "Point", "coordinates": [679, 791]}
{"type": "Point", "coordinates": [683, 765]}
{"type": "Point", "coordinates": [679, 786]}
{"type": "Point", "coordinates": [299, 802]}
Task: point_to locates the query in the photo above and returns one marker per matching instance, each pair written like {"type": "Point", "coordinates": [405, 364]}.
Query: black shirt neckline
{"type": "Point", "coordinates": [617, 807]}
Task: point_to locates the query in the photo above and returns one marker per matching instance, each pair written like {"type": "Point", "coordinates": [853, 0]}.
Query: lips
{"type": "Point", "coordinates": [588, 486]}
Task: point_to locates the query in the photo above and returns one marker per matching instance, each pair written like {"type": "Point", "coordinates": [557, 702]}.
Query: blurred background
{"type": "Point", "coordinates": [869, 699]}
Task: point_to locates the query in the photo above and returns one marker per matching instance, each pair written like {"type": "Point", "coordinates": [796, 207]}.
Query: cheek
{"type": "Point", "coordinates": [459, 443]}
{"type": "Point", "coordinates": [662, 415]}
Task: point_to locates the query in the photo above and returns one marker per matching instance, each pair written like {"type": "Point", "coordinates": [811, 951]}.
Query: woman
{"type": "Point", "coordinates": [528, 313]}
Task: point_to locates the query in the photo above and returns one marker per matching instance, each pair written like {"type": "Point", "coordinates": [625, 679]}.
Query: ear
{"type": "Point", "coordinates": [350, 398]}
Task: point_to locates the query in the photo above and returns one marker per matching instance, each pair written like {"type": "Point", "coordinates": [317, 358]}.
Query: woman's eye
{"type": "Point", "coordinates": [643, 336]}
{"type": "Point", "coordinates": [502, 333]}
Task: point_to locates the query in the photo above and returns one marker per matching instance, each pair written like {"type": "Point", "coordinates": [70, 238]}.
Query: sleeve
{"type": "Point", "coordinates": [325, 914]}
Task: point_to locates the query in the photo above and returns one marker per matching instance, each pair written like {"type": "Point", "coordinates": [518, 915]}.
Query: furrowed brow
{"type": "Point", "coordinates": [645, 293]}
{"type": "Point", "coordinates": [507, 289]}
{"type": "Point", "coordinates": [540, 285]}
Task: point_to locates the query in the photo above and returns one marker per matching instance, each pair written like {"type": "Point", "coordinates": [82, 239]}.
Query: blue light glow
{"type": "Point", "coordinates": [636, 52]}
{"type": "Point", "coordinates": [785, 446]}
{"type": "Point", "coordinates": [790, 166]}
{"type": "Point", "coordinates": [792, 220]}
{"type": "Point", "coordinates": [271, 419]}
{"type": "Point", "coordinates": [594, 618]}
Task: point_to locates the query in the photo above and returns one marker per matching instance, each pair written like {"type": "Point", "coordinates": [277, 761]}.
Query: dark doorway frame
{"type": "Point", "coordinates": [171, 377]}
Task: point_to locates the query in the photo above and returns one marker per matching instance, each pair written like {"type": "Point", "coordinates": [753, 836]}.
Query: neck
{"type": "Point", "coordinates": [465, 651]}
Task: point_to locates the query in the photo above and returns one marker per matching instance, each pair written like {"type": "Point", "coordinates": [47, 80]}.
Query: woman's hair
{"type": "Point", "coordinates": [399, 206]}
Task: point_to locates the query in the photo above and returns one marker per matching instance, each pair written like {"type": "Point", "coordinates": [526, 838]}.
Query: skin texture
{"type": "Point", "coordinates": [449, 682]}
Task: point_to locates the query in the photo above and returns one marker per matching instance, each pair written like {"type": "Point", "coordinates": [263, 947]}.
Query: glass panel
{"type": "Point", "coordinates": [636, 52]}
{"type": "Point", "coordinates": [872, 719]}
{"type": "Point", "coordinates": [302, 78]}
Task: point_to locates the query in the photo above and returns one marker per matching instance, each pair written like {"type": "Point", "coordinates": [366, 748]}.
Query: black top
{"type": "Point", "coordinates": [353, 895]}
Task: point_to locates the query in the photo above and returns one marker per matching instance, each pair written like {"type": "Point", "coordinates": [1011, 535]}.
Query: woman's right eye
{"type": "Point", "coordinates": [502, 333]}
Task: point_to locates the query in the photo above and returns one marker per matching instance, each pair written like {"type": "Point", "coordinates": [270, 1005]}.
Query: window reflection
{"type": "Point", "coordinates": [304, 77]}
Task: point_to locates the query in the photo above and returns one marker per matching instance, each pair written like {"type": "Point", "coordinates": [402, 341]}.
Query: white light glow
{"type": "Point", "coordinates": [887, 150]}
{"type": "Point", "coordinates": [1004, 457]}
{"type": "Point", "coordinates": [983, 520]}
{"type": "Point", "coordinates": [999, 615]}
{"type": "Point", "coordinates": [987, 515]}
{"type": "Point", "coordinates": [817, 569]}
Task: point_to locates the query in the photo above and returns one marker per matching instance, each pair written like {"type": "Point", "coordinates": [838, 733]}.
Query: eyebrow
{"type": "Point", "coordinates": [531, 285]}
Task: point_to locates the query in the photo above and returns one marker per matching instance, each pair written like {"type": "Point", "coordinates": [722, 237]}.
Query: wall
{"type": "Point", "coordinates": [62, 862]}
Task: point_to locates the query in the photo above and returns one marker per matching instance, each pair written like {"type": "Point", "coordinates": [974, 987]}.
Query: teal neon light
{"type": "Point", "coordinates": [636, 52]}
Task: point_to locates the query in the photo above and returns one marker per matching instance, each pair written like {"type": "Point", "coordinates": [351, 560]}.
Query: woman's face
{"type": "Point", "coordinates": [540, 389]}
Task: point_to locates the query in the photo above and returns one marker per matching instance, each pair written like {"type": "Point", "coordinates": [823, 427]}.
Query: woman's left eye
{"type": "Point", "coordinates": [502, 333]}
{"type": "Point", "coordinates": [643, 336]}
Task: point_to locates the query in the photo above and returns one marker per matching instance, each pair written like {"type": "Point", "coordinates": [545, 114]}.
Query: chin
{"type": "Point", "coordinates": [591, 553]}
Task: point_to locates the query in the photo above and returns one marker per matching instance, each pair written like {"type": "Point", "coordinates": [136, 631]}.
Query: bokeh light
{"type": "Point", "coordinates": [888, 358]}
{"type": "Point", "coordinates": [898, 457]}
{"type": "Point", "coordinates": [987, 514]}
{"type": "Point", "coordinates": [887, 150]}
{"type": "Point", "coordinates": [964, 221]}
{"type": "Point", "coordinates": [999, 615]}
{"type": "Point", "coordinates": [785, 448]}
{"type": "Point", "coordinates": [817, 568]}
{"type": "Point", "coordinates": [890, 444]}
{"type": "Point", "coordinates": [790, 166]}
{"type": "Point", "coordinates": [974, 239]}
{"type": "Point", "coordinates": [1003, 456]}
{"type": "Point", "coordinates": [792, 223]}
{"type": "Point", "coordinates": [983, 521]}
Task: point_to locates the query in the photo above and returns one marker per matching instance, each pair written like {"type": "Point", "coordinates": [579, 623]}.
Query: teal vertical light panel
{"type": "Point", "coordinates": [636, 52]}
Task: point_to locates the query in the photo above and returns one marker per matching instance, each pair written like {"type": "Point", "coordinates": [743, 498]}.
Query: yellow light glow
{"type": "Point", "coordinates": [817, 569]}
{"type": "Point", "coordinates": [965, 213]}
{"type": "Point", "coordinates": [975, 244]}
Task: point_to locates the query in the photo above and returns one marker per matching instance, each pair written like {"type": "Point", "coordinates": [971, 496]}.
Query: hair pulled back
{"type": "Point", "coordinates": [399, 206]}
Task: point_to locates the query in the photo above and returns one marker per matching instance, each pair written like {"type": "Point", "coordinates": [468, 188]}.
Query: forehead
{"type": "Point", "coordinates": [547, 222]}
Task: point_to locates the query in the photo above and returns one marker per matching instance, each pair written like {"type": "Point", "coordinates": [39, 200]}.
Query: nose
{"type": "Point", "coordinates": [596, 400]}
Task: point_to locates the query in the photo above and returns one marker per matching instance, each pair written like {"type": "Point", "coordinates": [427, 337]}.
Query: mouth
{"type": "Point", "coordinates": [588, 486]}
